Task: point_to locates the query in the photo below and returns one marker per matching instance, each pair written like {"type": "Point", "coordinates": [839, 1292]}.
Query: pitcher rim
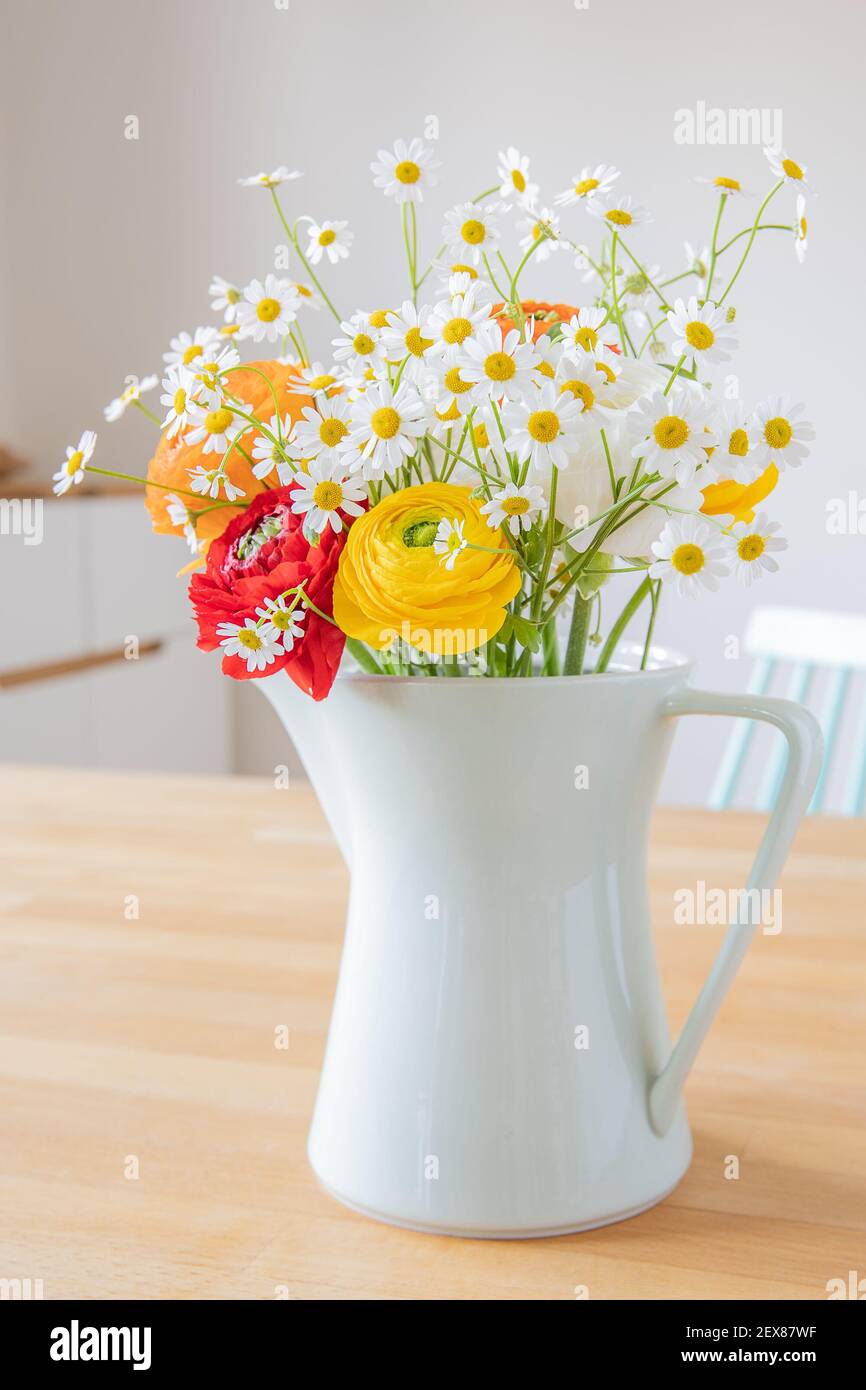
{"type": "Point", "coordinates": [666, 660]}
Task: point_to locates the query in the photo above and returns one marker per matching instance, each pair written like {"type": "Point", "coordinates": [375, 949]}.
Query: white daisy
{"type": "Point", "coordinates": [512, 171]}
{"type": "Point", "coordinates": [621, 213]}
{"type": "Point", "coordinates": [224, 298]}
{"type": "Point", "coordinates": [268, 454]}
{"type": "Point", "coordinates": [331, 239]}
{"type": "Point", "coordinates": [588, 184]}
{"type": "Point", "coordinates": [287, 619]}
{"type": "Point", "coordinates": [208, 482]}
{"type": "Point", "coordinates": [497, 366]}
{"type": "Point", "coordinates": [471, 229]}
{"type": "Point", "coordinates": [782, 437]}
{"type": "Point", "coordinates": [540, 227]}
{"type": "Point", "coordinates": [272, 180]}
{"type": "Point", "coordinates": [177, 399]}
{"type": "Point", "coordinates": [732, 188]}
{"type": "Point", "coordinates": [451, 392]}
{"type": "Point", "coordinates": [386, 427]}
{"type": "Point", "coordinates": [361, 347]}
{"type": "Point", "coordinates": [128, 396]}
{"type": "Point", "coordinates": [589, 380]}
{"type": "Point", "coordinates": [454, 320]}
{"type": "Point", "coordinates": [404, 340]}
{"type": "Point", "coordinates": [588, 331]}
{"type": "Point", "coordinates": [734, 456]}
{"type": "Point", "coordinates": [690, 553]}
{"type": "Point", "coordinates": [701, 331]}
{"type": "Point", "coordinates": [786, 168]}
{"type": "Point", "coordinates": [321, 429]}
{"type": "Point", "coordinates": [257, 643]}
{"type": "Point", "coordinates": [309, 298]}
{"type": "Point", "coordinates": [216, 427]}
{"type": "Point", "coordinates": [446, 269]}
{"type": "Point", "coordinates": [515, 506]}
{"type": "Point", "coordinates": [544, 429]}
{"type": "Point", "coordinates": [325, 496]}
{"type": "Point", "coordinates": [752, 543]}
{"type": "Point", "coordinates": [697, 261]}
{"type": "Point", "coordinates": [206, 374]}
{"type": "Point", "coordinates": [677, 436]}
{"type": "Point", "coordinates": [801, 230]}
{"type": "Point", "coordinates": [312, 378]}
{"type": "Point", "coordinates": [77, 457]}
{"type": "Point", "coordinates": [449, 541]}
{"type": "Point", "coordinates": [267, 310]}
{"type": "Point", "coordinates": [180, 515]}
{"type": "Point", "coordinates": [405, 171]}
{"type": "Point", "coordinates": [185, 349]}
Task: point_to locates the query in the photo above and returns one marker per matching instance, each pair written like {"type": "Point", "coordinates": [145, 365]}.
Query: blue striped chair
{"type": "Point", "coordinates": [817, 657]}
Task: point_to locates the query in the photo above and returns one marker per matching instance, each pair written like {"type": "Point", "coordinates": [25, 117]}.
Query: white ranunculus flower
{"type": "Point", "coordinates": [586, 484]}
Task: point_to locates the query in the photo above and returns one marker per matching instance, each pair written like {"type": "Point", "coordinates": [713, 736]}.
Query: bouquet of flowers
{"type": "Point", "coordinates": [449, 493]}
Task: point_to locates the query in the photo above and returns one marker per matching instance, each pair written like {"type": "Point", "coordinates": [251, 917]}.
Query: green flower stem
{"type": "Point", "coordinates": [713, 252]}
{"type": "Point", "coordinates": [674, 374]}
{"type": "Point", "coordinates": [407, 245]}
{"type": "Point", "coordinates": [754, 232]}
{"type": "Point", "coordinates": [551, 649]}
{"type": "Point", "coordinates": [163, 487]}
{"type": "Point", "coordinates": [653, 286]}
{"type": "Point", "coordinates": [655, 593]}
{"type": "Point", "coordinates": [764, 227]}
{"type": "Point", "coordinates": [621, 624]}
{"type": "Point", "coordinates": [245, 367]}
{"type": "Point", "coordinates": [578, 632]}
{"type": "Point", "coordinates": [502, 295]}
{"type": "Point", "coordinates": [363, 656]}
{"type": "Point", "coordinates": [293, 239]}
{"type": "Point", "coordinates": [149, 413]}
{"type": "Point", "coordinates": [654, 329]}
{"type": "Point", "coordinates": [617, 312]}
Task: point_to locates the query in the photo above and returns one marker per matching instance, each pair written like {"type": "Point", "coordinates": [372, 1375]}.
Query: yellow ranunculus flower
{"type": "Point", "coordinates": [391, 586]}
{"type": "Point", "coordinates": [738, 500]}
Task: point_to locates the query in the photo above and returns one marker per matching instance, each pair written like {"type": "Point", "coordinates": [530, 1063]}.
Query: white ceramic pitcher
{"type": "Point", "coordinates": [499, 1062]}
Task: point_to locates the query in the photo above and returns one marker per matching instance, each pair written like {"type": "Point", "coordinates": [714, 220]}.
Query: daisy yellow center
{"type": "Point", "coordinates": [585, 186]}
{"type": "Point", "coordinates": [379, 318]}
{"type": "Point", "coordinates": [472, 231]}
{"type": "Point", "coordinates": [232, 295]}
{"type": "Point", "coordinates": [280, 618]}
{"type": "Point", "coordinates": [481, 437]}
{"type": "Point", "coordinates": [453, 541]}
{"type": "Point", "coordinates": [670, 432]}
{"type": "Point", "coordinates": [363, 344]}
{"type": "Point", "coordinates": [303, 290]}
{"type": "Point", "coordinates": [499, 366]}
{"type": "Point", "coordinates": [218, 421]}
{"type": "Point", "coordinates": [738, 444]}
{"type": "Point", "coordinates": [607, 372]}
{"type": "Point", "coordinates": [416, 344]}
{"type": "Point", "coordinates": [750, 547]}
{"type": "Point", "coordinates": [446, 416]}
{"type": "Point", "coordinates": [619, 217]}
{"type": "Point", "coordinates": [74, 462]}
{"type": "Point", "coordinates": [228, 330]}
{"type": "Point", "coordinates": [543, 426]}
{"type": "Point", "coordinates": [268, 309]}
{"type": "Point", "coordinates": [545, 369]}
{"type": "Point", "coordinates": [730, 185]}
{"type": "Point", "coordinates": [327, 236]}
{"type": "Point", "coordinates": [191, 353]}
{"type": "Point", "coordinates": [688, 559]}
{"type": "Point", "coordinates": [803, 229]}
{"type": "Point", "coordinates": [456, 330]}
{"type": "Point", "coordinates": [455, 383]}
{"type": "Point", "coordinates": [385, 422]}
{"type": "Point", "coordinates": [586, 338]}
{"type": "Point", "coordinates": [580, 391]}
{"type": "Point", "coordinates": [179, 401]}
{"type": "Point", "coordinates": [249, 638]}
{"type": "Point", "coordinates": [327, 495]}
{"type": "Point", "coordinates": [331, 432]}
{"type": "Point", "coordinates": [699, 335]}
{"type": "Point", "coordinates": [518, 180]}
{"type": "Point", "coordinates": [791, 169]}
{"type": "Point", "coordinates": [320, 383]}
{"type": "Point", "coordinates": [469, 270]}
{"type": "Point", "coordinates": [515, 506]}
{"type": "Point", "coordinates": [407, 171]}
{"type": "Point", "coordinates": [537, 231]}
{"type": "Point", "coordinates": [777, 432]}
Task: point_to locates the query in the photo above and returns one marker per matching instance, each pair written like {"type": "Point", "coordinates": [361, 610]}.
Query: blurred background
{"type": "Point", "coordinates": [108, 245]}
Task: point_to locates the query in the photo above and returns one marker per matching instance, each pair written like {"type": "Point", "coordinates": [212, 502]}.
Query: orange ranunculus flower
{"type": "Point", "coordinates": [173, 458]}
{"type": "Point", "coordinates": [542, 315]}
{"type": "Point", "coordinates": [738, 500]}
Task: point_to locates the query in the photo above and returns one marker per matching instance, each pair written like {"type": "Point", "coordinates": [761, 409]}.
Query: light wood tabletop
{"type": "Point", "coordinates": [157, 934]}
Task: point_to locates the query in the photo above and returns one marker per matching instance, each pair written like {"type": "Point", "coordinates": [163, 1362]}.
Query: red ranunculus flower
{"type": "Point", "coordinates": [260, 555]}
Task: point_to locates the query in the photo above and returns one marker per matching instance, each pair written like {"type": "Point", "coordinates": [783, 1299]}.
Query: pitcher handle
{"type": "Point", "coordinates": [805, 751]}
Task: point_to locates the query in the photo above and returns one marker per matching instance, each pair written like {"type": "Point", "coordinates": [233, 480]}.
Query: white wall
{"type": "Point", "coordinates": [112, 242]}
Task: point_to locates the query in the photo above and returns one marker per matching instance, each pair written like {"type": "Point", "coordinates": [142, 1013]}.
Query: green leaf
{"type": "Point", "coordinates": [589, 584]}
{"type": "Point", "coordinates": [528, 634]}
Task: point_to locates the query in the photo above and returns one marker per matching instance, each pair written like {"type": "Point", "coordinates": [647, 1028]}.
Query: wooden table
{"type": "Point", "coordinates": [146, 1043]}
